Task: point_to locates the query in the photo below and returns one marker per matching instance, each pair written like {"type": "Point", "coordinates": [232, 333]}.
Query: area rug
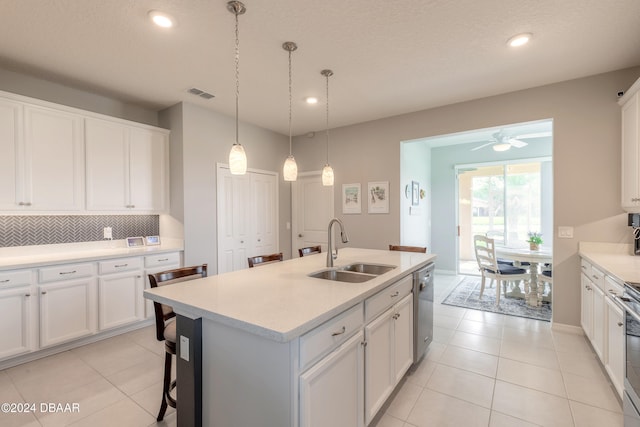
{"type": "Point", "coordinates": [467, 294]}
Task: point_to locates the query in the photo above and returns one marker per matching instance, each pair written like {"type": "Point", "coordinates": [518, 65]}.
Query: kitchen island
{"type": "Point", "coordinates": [261, 340]}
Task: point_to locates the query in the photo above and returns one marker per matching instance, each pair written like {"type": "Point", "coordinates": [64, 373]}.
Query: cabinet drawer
{"type": "Point", "coordinates": [611, 286]}
{"type": "Point", "coordinates": [14, 278]}
{"type": "Point", "coordinates": [120, 264]}
{"type": "Point", "coordinates": [597, 277]}
{"type": "Point", "coordinates": [161, 259]}
{"type": "Point", "coordinates": [321, 340]}
{"type": "Point", "coordinates": [65, 272]}
{"type": "Point", "coordinates": [586, 268]}
{"type": "Point", "coordinates": [387, 297]}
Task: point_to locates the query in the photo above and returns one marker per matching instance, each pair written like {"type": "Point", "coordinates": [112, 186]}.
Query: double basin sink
{"type": "Point", "coordinates": [353, 273]}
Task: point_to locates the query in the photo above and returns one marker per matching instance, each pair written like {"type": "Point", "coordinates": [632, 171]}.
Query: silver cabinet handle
{"type": "Point", "coordinates": [44, 292]}
{"type": "Point", "coordinates": [395, 294]}
{"type": "Point", "coordinates": [62, 273]}
{"type": "Point", "coordinates": [620, 323]}
{"type": "Point", "coordinates": [339, 333]}
{"type": "Point", "coordinates": [24, 204]}
{"type": "Point", "coordinates": [595, 277]}
{"type": "Point", "coordinates": [163, 259]}
{"type": "Point", "coordinates": [27, 295]}
{"type": "Point", "coordinates": [5, 281]}
{"type": "Point", "coordinates": [120, 265]}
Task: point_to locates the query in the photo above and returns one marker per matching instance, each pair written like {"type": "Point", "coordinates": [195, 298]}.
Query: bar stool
{"type": "Point", "coordinates": [166, 325]}
{"type": "Point", "coordinates": [264, 259]}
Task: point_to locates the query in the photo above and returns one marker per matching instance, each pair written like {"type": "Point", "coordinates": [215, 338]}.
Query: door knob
{"type": "Point", "coordinates": [299, 235]}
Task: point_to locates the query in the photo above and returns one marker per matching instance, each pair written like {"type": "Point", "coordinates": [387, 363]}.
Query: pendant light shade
{"type": "Point", "coordinates": [327, 171]}
{"type": "Point", "coordinates": [290, 168]}
{"type": "Point", "coordinates": [237, 156]}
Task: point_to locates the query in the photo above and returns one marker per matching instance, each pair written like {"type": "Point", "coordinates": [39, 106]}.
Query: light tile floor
{"type": "Point", "coordinates": [482, 369]}
{"type": "Point", "coordinates": [486, 369]}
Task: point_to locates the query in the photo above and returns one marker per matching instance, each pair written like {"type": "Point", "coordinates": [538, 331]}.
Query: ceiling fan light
{"type": "Point", "coordinates": [290, 169]}
{"type": "Point", "coordinates": [501, 147]}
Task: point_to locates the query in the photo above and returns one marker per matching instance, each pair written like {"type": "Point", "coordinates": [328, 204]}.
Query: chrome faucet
{"type": "Point", "coordinates": [345, 239]}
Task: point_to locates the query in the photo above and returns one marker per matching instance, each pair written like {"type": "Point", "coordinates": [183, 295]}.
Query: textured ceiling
{"type": "Point", "coordinates": [389, 57]}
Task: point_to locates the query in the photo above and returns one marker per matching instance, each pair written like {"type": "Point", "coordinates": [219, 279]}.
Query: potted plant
{"type": "Point", "coordinates": [535, 240]}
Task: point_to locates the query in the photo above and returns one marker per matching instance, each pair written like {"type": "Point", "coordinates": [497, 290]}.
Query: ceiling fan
{"type": "Point", "coordinates": [503, 142]}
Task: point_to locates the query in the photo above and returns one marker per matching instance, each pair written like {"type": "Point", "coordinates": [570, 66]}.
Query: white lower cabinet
{"type": "Point", "coordinates": [331, 392]}
{"type": "Point", "coordinates": [388, 354]}
{"type": "Point", "coordinates": [67, 310]}
{"type": "Point", "coordinates": [120, 287]}
{"type": "Point", "coordinates": [603, 321]}
{"type": "Point", "coordinates": [17, 310]}
{"type": "Point", "coordinates": [615, 345]}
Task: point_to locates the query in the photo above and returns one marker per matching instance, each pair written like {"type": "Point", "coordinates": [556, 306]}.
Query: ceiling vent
{"type": "Point", "coordinates": [200, 93]}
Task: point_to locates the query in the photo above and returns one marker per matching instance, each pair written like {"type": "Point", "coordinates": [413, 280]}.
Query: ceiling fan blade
{"type": "Point", "coordinates": [534, 135]}
{"type": "Point", "coordinates": [484, 145]}
{"type": "Point", "coordinates": [517, 143]}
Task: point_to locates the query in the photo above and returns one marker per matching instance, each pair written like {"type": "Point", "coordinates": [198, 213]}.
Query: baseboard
{"type": "Point", "coordinates": [562, 327]}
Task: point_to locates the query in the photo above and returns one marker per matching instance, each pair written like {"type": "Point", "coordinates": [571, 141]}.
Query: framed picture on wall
{"type": "Point", "coordinates": [351, 199]}
{"type": "Point", "coordinates": [415, 193]}
{"type": "Point", "coordinates": [378, 196]}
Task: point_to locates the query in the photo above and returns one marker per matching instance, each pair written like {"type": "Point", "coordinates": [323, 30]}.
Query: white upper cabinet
{"type": "Point", "coordinates": [126, 167]}
{"type": "Point", "coordinates": [631, 148]}
{"type": "Point", "coordinates": [42, 165]}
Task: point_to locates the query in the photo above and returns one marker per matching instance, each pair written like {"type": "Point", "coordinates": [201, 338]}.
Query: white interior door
{"type": "Point", "coordinates": [312, 209]}
{"type": "Point", "coordinates": [247, 217]}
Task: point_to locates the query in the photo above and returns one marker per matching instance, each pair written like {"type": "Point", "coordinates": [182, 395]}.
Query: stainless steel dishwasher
{"type": "Point", "coordinates": [422, 310]}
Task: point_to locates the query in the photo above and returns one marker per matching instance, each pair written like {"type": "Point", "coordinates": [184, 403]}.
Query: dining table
{"type": "Point", "coordinates": [543, 255]}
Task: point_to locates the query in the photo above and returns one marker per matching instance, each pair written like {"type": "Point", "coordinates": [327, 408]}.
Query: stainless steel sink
{"type": "Point", "coordinates": [342, 276]}
{"type": "Point", "coordinates": [357, 272]}
{"type": "Point", "coordinates": [361, 267]}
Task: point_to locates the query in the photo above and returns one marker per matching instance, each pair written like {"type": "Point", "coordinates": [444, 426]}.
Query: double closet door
{"type": "Point", "coordinates": [247, 217]}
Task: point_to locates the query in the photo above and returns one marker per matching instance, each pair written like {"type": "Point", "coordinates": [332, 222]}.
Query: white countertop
{"type": "Point", "coordinates": [614, 258]}
{"type": "Point", "coordinates": [279, 301]}
{"type": "Point", "coordinates": [39, 255]}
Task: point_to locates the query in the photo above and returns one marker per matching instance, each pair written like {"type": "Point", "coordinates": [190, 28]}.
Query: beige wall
{"type": "Point", "coordinates": [586, 158]}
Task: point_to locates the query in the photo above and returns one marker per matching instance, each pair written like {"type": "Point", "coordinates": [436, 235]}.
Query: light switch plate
{"type": "Point", "coordinates": [565, 232]}
{"type": "Point", "coordinates": [184, 348]}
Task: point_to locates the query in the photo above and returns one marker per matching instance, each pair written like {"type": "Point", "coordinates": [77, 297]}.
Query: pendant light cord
{"type": "Point", "coordinates": [237, 77]}
{"type": "Point", "coordinates": [327, 74]}
{"type": "Point", "coordinates": [290, 102]}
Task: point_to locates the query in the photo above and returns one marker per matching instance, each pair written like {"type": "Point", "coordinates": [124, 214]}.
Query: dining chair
{"type": "Point", "coordinates": [546, 276]}
{"type": "Point", "coordinates": [264, 259]}
{"type": "Point", "coordinates": [485, 251]}
{"type": "Point", "coordinates": [420, 249]}
{"type": "Point", "coordinates": [310, 250]}
{"type": "Point", "coordinates": [166, 325]}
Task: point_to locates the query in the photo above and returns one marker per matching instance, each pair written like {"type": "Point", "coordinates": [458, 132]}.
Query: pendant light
{"type": "Point", "coordinates": [290, 168]}
{"type": "Point", "coordinates": [237, 156]}
{"type": "Point", "coordinates": [327, 171]}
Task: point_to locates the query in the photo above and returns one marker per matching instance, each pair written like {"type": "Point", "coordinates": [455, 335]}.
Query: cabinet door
{"type": "Point", "coordinates": [107, 165]}
{"type": "Point", "coordinates": [331, 392]}
{"type": "Point", "coordinates": [403, 337]}
{"type": "Point", "coordinates": [67, 311]}
{"type": "Point", "coordinates": [615, 345]}
{"type": "Point", "coordinates": [120, 299]}
{"type": "Point", "coordinates": [380, 377]}
{"type": "Point", "coordinates": [54, 160]}
{"type": "Point", "coordinates": [16, 321]}
{"type": "Point", "coordinates": [631, 155]}
{"type": "Point", "coordinates": [598, 322]}
{"type": "Point", "coordinates": [586, 305]}
{"type": "Point", "coordinates": [147, 169]}
{"type": "Point", "coordinates": [12, 156]}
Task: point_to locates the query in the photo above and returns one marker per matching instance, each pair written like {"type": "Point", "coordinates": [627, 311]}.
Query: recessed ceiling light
{"type": "Point", "coordinates": [161, 19]}
{"type": "Point", "coordinates": [519, 39]}
{"type": "Point", "coordinates": [311, 100]}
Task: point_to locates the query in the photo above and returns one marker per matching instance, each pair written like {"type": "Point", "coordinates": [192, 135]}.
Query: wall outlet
{"type": "Point", "coordinates": [184, 348]}
{"type": "Point", "coordinates": [107, 233]}
{"type": "Point", "coordinates": [565, 232]}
